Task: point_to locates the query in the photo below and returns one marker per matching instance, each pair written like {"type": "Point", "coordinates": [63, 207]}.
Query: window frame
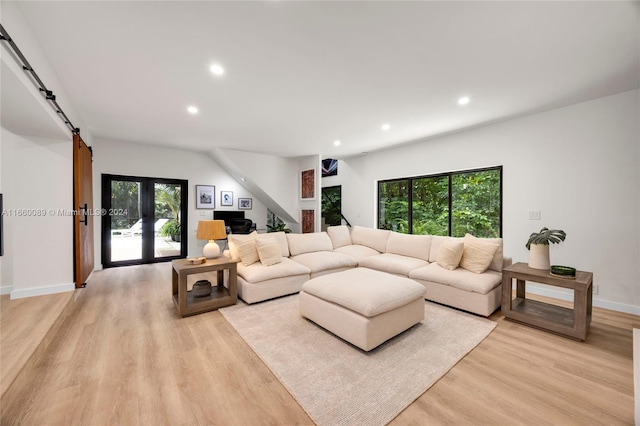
{"type": "Point", "coordinates": [449, 175]}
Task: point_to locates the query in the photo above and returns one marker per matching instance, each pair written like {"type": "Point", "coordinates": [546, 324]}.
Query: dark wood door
{"type": "Point", "coordinates": [83, 205]}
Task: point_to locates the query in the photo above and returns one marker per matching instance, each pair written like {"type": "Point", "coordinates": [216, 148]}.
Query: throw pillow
{"type": "Point", "coordinates": [269, 251]}
{"type": "Point", "coordinates": [281, 239]}
{"type": "Point", "coordinates": [235, 241]}
{"type": "Point", "coordinates": [477, 254]}
{"type": "Point", "coordinates": [450, 253]}
{"type": "Point", "coordinates": [248, 253]}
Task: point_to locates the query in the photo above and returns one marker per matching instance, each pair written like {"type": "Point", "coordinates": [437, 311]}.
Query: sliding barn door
{"type": "Point", "coordinates": [83, 205]}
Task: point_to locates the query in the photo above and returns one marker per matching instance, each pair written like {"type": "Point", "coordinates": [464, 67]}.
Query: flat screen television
{"type": "Point", "coordinates": [227, 215]}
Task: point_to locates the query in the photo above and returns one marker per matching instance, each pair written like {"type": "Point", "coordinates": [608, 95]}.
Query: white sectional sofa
{"type": "Point", "coordinates": [464, 273]}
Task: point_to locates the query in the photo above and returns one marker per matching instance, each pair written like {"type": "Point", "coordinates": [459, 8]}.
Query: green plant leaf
{"type": "Point", "coordinates": [546, 236]}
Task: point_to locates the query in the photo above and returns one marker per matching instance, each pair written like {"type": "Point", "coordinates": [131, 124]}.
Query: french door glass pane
{"type": "Point", "coordinates": [126, 221]}
{"type": "Point", "coordinates": [393, 205]}
{"type": "Point", "coordinates": [475, 200]}
{"type": "Point", "coordinates": [430, 206]}
{"type": "Point", "coordinates": [167, 207]}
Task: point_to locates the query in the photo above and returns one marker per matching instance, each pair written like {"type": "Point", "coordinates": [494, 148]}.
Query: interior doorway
{"type": "Point", "coordinates": [145, 220]}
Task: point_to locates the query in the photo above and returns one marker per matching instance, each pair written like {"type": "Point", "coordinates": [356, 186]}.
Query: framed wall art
{"type": "Point", "coordinates": [308, 221]}
{"type": "Point", "coordinates": [226, 198]}
{"type": "Point", "coordinates": [329, 167]}
{"type": "Point", "coordinates": [308, 184]}
{"type": "Point", "coordinates": [245, 203]}
{"type": "Point", "coordinates": [205, 196]}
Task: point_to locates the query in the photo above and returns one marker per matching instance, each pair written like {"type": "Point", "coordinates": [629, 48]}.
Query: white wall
{"type": "Point", "coordinates": [37, 181]}
{"type": "Point", "coordinates": [37, 173]}
{"type": "Point", "coordinates": [15, 24]}
{"type": "Point", "coordinates": [272, 179]}
{"type": "Point", "coordinates": [578, 165]}
{"type": "Point", "coordinates": [275, 181]}
{"type": "Point", "coordinates": [131, 159]}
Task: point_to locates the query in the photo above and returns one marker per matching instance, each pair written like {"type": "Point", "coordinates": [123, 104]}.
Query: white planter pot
{"type": "Point", "coordinates": [539, 256]}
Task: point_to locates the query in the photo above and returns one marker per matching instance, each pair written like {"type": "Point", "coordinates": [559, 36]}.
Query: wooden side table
{"type": "Point", "coordinates": [220, 295]}
{"type": "Point", "coordinates": [572, 323]}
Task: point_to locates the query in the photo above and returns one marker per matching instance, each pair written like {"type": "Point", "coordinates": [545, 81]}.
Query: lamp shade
{"type": "Point", "coordinates": [211, 230]}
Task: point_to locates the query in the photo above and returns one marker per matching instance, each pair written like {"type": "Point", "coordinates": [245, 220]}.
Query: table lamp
{"type": "Point", "coordinates": [211, 230]}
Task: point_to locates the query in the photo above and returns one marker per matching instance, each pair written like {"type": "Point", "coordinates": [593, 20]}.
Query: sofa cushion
{"type": "Point", "coordinates": [339, 235]}
{"type": "Point", "coordinates": [364, 291]}
{"type": "Point", "coordinates": [458, 278]}
{"type": "Point", "coordinates": [269, 251]}
{"type": "Point", "coordinates": [248, 252]}
{"type": "Point", "coordinates": [235, 240]}
{"type": "Point", "coordinates": [308, 243]}
{"type": "Point", "coordinates": [417, 246]}
{"type": "Point", "coordinates": [477, 254]}
{"type": "Point", "coordinates": [370, 237]}
{"type": "Point", "coordinates": [392, 263]}
{"type": "Point", "coordinates": [281, 239]}
{"type": "Point", "coordinates": [324, 260]}
{"type": "Point", "coordinates": [436, 241]}
{"type": "Point", "coordinates": [450, 253]}
{"type": "Point", "coordinates": [357, 251]}
{"type": "Point", "coordinates": [258, 272]}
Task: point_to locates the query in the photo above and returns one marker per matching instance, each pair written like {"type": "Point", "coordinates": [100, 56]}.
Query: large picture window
{"type": "Point", "coordinates": [453, 203]}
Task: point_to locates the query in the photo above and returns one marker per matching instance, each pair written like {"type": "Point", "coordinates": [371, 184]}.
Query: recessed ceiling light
{"type": "Point", "coordinates": [463, 100]}
{"type": "Point", "coordinates": [337, 143]}
{"type": "Point", "coordinates": [216, 69]}
{"type": "Point", "coordinates": [386, 126]}
{"type": "Point", "coordinates": [192, 109]}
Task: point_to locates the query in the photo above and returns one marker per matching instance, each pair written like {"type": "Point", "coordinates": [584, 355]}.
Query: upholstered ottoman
{"type": "Point", "coordinates": [363, 306]}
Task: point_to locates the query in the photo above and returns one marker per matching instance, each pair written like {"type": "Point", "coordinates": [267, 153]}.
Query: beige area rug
{"type": "Point", "coordinates": [335, 382]}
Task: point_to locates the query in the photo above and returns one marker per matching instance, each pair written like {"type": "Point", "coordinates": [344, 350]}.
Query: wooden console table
{"type": "Point", "coordinates": [572, 323]}
{"type": "Point", "coordinates": [220, 296]}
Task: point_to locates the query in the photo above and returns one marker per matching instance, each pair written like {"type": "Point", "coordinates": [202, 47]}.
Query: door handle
{"type": "Point", "coordinates": [83, 209]}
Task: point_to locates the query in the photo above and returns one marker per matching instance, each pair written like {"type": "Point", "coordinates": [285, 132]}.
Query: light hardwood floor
{"type": "Point", "coordinates": [121, 355]}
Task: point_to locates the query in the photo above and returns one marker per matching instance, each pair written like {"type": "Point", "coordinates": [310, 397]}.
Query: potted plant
{"type": "Point", "coordinates": [171, 229]}
{"type": "Point", "coordinates": [538, 245]}
{"type": "Point", "coordinates": [278, 227]}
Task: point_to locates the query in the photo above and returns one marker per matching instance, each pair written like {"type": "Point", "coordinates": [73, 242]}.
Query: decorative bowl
{"type": "Point", "coordinates": [563, 271]}
{"type": "Point", "coordinates": [201, 288]}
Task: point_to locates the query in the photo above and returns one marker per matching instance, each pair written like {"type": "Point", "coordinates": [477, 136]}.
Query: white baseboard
{"type": "Point", "coordinates": [40, 291]}
{"type": "Point", "coordinates": [606, 304]}
{"type": "Point", "coordinates": [6, 290]}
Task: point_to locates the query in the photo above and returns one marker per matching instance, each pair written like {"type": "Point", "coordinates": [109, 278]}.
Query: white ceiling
{"type": "Point", "coordinates": [300, 75]}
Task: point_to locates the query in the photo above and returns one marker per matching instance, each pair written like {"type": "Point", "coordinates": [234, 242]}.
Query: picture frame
{"type": "Point", "coordinates": [245, 203]}
{"type": "Point", "coordinates": [329, 167]}
{"type": "Point", "coordinates": [205, 196]}
{"type": "Point", "coordinates": [308, 220]}
{"type": "Point", "coordinates": [226, 198]}
{"type": "Point", "coordinates": [308, 184]}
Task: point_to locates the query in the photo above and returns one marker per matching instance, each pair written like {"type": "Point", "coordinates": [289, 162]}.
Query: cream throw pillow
{"type": "Point", "coordinates": [450, 253]}
{"type": "Point", "coordinates": [235, 241]}
{"type": "Point", "coordinates": [248, 253]}
{"type": "Point", "coordinates": [269, 251]}
{"type": "Point", "coordinates": [477, 254]}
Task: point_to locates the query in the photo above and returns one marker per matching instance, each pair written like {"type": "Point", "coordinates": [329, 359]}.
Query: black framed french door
{"type": "Point", "coordinates": [144, 220]}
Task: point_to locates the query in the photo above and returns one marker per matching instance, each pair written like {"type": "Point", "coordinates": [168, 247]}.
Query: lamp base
{"type": "Point", "coordinates": [211, 250]}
